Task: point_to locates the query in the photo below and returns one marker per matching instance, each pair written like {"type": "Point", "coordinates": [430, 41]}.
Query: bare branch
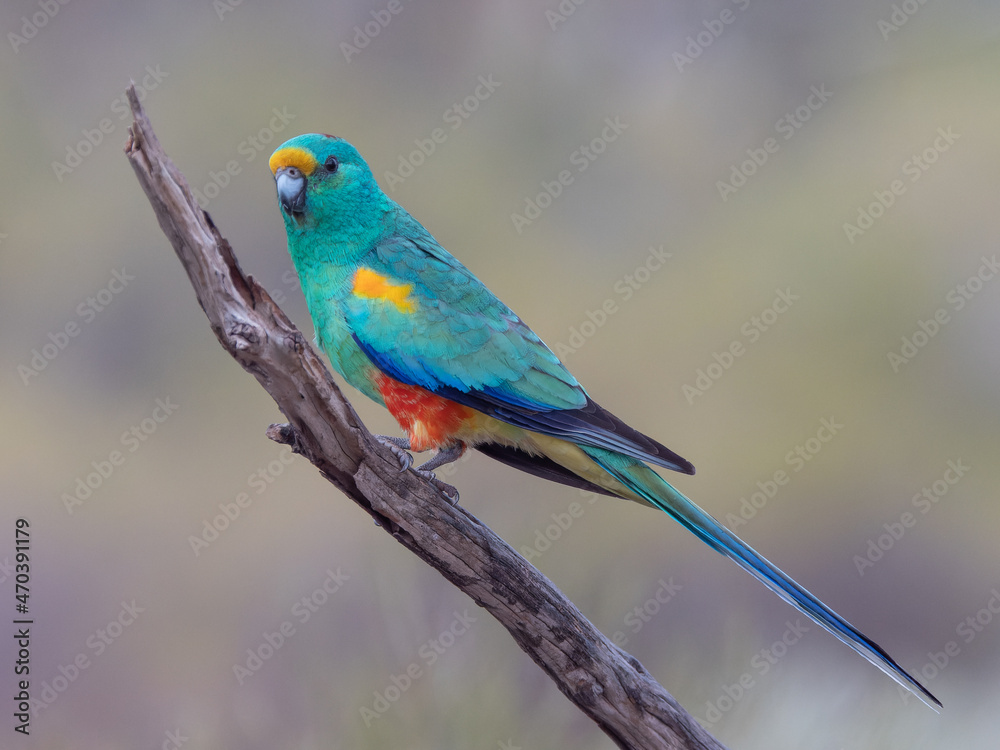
{"type": "Point", "coordinates": [607, 684]}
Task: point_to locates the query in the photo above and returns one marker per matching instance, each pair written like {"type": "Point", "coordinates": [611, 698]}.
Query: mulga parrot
{"type": "Point", "coordinates": [409, 326]}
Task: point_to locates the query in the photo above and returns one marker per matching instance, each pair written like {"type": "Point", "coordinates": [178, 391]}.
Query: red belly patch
{"type": "Point", "coordinates": [429, 420]}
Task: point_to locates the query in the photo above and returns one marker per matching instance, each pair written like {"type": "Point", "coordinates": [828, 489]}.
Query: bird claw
{"type": "Point", "coordinates": [443, 457]}
{"type": "Point", "coordinates": [449, 492]}
{"type": "Point", "coordinates": [398, 447]}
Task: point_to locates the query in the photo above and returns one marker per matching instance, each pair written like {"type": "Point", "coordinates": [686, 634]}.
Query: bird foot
{"type": "Point", "coordinates": [445, 456]}
{"type": "Point", "coordinates": [399, 447]}
{"type": "Point", "coordinates": [449, 492]}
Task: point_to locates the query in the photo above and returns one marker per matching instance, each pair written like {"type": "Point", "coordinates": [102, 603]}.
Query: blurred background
{"type": "Point", "coordinates": [766, 234]}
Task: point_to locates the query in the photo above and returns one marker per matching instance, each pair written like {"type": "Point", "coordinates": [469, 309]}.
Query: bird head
{"type": "Point", "coordinates": [323, 183]}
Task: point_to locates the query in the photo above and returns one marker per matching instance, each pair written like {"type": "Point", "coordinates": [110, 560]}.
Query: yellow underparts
{"type": "Point", "coordinates": [373, 285]}
{"type": "Point", "coordinates": [483, 428]}
{"type": "Point", "coordinates": [293, 156]}
{"type": "Point", "coordinates": [570, 456]}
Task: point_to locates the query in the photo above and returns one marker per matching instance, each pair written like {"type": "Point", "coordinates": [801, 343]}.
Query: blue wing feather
{"type": "Point", "coordinates": [463, 343]}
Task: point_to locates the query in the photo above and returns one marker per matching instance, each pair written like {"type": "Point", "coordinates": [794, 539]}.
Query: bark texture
{"type": "Point", "coordinates": [604, 682]}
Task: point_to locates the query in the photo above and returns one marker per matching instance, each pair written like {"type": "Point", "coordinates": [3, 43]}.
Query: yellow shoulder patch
{"type": "Point", "coordinates": [293, 156]}
{"type": "Point", "coordinates": [373, 285]}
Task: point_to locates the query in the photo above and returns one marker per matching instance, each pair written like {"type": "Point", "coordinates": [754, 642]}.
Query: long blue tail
{"type": "Point", "coordinates": [657, 492]}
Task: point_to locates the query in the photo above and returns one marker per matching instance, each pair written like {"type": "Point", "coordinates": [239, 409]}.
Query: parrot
{"type": "Point", "coordinates": [405, 323]}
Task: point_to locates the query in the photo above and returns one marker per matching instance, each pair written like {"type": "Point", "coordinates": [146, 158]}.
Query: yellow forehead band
{"type": "Point", "coordinates": [292, 156]}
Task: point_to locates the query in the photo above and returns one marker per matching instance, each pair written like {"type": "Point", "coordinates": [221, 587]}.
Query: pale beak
{"type": "Point", "coordinates": [291, 185]}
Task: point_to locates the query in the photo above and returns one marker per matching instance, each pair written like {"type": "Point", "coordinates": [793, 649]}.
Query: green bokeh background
{"type": "Point", "coordinates": [171, 671]}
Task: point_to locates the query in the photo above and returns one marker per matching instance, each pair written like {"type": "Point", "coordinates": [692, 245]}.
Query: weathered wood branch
{"type": "Point", "coordinates": [607, 684]}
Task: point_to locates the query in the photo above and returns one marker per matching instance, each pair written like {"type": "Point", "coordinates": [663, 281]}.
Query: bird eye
{"type": "Point", "coordinates": [331, 164]}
